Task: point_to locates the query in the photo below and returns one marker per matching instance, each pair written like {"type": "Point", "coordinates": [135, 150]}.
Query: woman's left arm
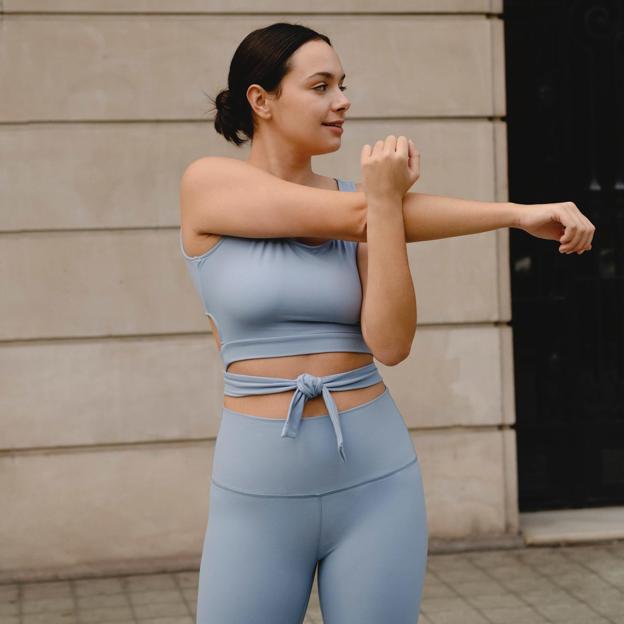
{"type": "Point", "coordinates": [432, 217]}
{"type": "Point", "coordinates": [388, 313]}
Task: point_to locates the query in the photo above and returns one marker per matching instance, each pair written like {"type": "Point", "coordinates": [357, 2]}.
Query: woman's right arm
{"type": "Point", "coordinates": [226, 196]}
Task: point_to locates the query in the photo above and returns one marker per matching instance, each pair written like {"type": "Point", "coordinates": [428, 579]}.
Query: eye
{"type": "Point", "coordinates": [342, 88]}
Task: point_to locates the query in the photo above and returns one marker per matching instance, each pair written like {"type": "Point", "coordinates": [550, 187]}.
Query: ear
{"type": "Point", "coordinates": [259, 101]}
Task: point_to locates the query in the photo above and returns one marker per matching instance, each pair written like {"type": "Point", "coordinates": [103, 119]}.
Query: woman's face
{"type": "Point", "coordinates": [310, 97]}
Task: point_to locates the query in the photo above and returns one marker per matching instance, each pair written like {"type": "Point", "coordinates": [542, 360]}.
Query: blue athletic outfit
{"type": "Point", "coordinates": [342, 491]}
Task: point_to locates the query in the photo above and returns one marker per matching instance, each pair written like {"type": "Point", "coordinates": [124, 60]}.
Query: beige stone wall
{"type": "Point", "coordinates": [110, 384]}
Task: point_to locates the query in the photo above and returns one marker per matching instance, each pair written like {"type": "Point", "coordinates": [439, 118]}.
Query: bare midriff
{"type": "Point", "coordinates": [289, 367]}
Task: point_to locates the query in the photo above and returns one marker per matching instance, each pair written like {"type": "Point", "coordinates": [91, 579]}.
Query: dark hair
{"type": "Point", "coordinates": [263, 58]}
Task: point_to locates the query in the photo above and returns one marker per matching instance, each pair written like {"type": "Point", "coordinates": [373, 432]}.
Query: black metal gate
{"type": "Point", "coordinates": [565, 118]}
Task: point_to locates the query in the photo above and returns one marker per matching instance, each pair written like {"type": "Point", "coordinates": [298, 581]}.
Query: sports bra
{"type": "Point", "coordinates": [271, 297]}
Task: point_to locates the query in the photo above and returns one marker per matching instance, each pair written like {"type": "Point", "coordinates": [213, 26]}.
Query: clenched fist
{"type": "Point", "coordinates": [390, 168]}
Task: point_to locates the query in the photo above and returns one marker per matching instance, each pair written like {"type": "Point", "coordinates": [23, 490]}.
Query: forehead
{"type": "Point", "coordinates": [316, 59]}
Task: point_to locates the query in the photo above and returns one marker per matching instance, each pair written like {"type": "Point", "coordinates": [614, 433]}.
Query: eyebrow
{"type": "Point", "coordinates": [326, 74]}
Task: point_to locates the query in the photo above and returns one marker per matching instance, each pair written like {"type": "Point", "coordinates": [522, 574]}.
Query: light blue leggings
{"type": "Point", "coordinates": [280, 506]}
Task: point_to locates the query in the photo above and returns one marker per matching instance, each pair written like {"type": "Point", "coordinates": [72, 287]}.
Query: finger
{"type": "Point", "coordinates": [564, 219]}
{"type": "Point", "coordinates": [378, 147]}
{"type": "Point", "coordinates": [365, 153]}
{"type": "Point", "coordinates": [415, 163]}
{"type": "Point", "coordinates": [390, 144]}
{"type": "Point", "coordinates": [411, 150]}
{"type": "Point", "coordinates": [587, 236]}
{"type": "Point", "coordinates": [574, 231]}
{"type": "Point", "coordinates": [590, 230]}
{"type": "Point", "coordinates": [402, 147]}
{"type": "Point", "coordinates": [585, 228]}
{"type": "Point", "coordinates": [578, 242]}
{"type": "Point", "coordinates": [567, 225]}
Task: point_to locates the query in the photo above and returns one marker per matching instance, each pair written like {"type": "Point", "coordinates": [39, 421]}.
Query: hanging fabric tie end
{"type": "Point", "coordinates": [287, 431]}
{"type": "Point", "coordinates": [341, 452]}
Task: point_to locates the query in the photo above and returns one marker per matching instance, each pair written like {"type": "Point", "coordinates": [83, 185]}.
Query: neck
{"type": "Point", "coordinates": [281, 160]}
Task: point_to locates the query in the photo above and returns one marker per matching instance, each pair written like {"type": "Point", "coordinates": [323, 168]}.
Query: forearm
{"type": "Point", "coordinates": [389, 307]}
{"type": "Point", "coordinates": [431, 217]}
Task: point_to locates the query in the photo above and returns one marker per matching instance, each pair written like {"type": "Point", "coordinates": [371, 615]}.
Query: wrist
{"type": "Point", "coordinates": [516, 212]}
{"type": "Point", "coordinates": [383, 198]}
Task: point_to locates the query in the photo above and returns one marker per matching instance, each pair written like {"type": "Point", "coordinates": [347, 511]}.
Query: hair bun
{"type": "Point", "coordinates": [227, 120]}
{"type": "Point", "coordinates": [224, 100]}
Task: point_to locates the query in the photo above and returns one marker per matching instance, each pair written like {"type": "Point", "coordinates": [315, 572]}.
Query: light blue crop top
{"type": "Point", "coordinates": [272, 297]}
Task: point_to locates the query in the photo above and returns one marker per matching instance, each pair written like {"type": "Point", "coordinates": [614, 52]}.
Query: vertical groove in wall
{"type": "Point", "coordinates": [510, 472]}
{"type": "Point", "coordinates": [507, 376]}
{"type": "Point", "coordinates": [499, 136]}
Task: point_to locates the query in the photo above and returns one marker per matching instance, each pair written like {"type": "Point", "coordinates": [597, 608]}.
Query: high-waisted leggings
{"type": "Point", "coordinates": [281, 506]}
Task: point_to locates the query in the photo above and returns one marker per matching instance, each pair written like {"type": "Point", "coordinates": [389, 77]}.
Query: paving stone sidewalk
{"type": "Point", "coordinates": [573, 584]}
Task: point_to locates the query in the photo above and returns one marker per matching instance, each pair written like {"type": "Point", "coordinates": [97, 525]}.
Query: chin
{"type": "Point", "coordinates": [326, 147]}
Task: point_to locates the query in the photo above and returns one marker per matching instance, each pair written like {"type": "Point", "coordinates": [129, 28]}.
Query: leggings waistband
{"type": "Point", "coordinates": [252, 458]}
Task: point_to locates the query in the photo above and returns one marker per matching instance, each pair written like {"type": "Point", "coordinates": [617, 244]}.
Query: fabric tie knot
{"type": "Point", "coordinates": [309, 385]}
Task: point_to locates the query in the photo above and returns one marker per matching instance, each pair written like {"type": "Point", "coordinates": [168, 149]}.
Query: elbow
{"type": "Point", "coordinates": [389, 354]}
{"type": "Point", "coordinates": [391, 358]}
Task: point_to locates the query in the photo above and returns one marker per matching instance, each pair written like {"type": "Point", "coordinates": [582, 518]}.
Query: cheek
{"type": "Point", "coordinates": [303, 116]}
{"type": "Point", "coordinates": [310, 108]}
{"type": "Point", "coordinates": [305, 120]}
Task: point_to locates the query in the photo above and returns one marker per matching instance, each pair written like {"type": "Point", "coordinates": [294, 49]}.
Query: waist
{"type": "Point", "coordinates": [267, 401]}
{"type": "Point", "coordinates": [250, 455]}
{"type": "Point", "coordinates": [276, 405]}
{"type": "Point", "coordinates": [307, 384]}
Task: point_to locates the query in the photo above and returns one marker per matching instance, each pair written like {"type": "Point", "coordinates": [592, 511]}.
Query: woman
{"type": "Point", "coordinates": [303, 286]}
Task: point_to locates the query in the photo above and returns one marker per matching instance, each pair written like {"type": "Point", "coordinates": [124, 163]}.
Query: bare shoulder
{"type": "Point", "coordinates": [197, 173]}
{"type": "Point", "coordinates": [205, 167]}
{"type": "Point", "coordinates": [213, 161]}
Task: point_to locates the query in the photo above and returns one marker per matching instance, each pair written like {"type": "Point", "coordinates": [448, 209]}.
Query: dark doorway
{"type": "Point", "coordinates": [565, 121]}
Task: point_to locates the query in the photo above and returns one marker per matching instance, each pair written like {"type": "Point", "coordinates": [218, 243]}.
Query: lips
{"type": "Point", "coordinates": [337, 124]}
